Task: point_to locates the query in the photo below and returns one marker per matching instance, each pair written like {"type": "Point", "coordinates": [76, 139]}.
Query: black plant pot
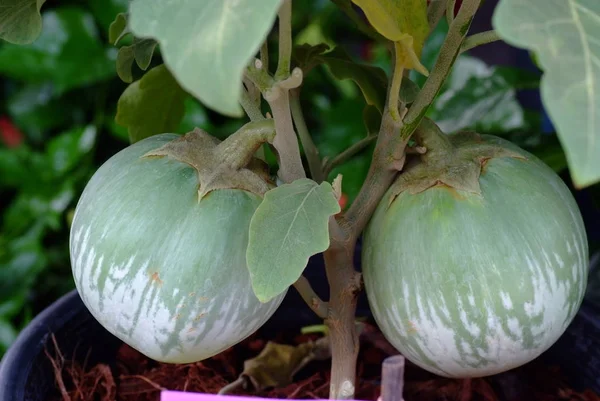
{"type": "Point", "coordinates": [27, 375]}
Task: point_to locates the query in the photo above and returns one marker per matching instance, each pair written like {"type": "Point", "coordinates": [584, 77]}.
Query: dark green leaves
{"type": "Point", "coordinates": [207, 44]}
{"type": "Point", "coordinates": [68, 53]}
{"type": "Point", "coordinates": [152, 105]}
{"type": "Point", "coordinates": [20, 20]}
{"type": "Point", "coordinates": [117, 28]}
{"type": "Point", "coordinates": [140, 51]}
{"type": "Point", "coordinates": [289, 226]}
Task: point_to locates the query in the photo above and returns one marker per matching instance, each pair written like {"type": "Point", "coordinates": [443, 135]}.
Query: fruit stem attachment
{"type": "Point", "coordinates": [431, 137]}
{"type": "Point", "coordinates": [237, 150]}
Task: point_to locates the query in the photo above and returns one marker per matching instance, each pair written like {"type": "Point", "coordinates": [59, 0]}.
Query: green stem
{"type": "Point", "coordinates": [450, 7]}
{"type": "Point", "coordinates": [310, 149]}
{"type": "Point", "coordinates": [348, 154]}
{"type": "Point", "coordinates": [250, 106]}
{"type": "Point", "coordinates": [285, 40]}
{"type": "Point", "coordinates": [264, 55]}
{"type": "Point", "coordinates": [448, 54]}
{"type": "Point", "coordinates": [394, 93]}
{"type": "Point", "coordinates": [479, 39]}
{"type": "Point", "coordinates": [435, 12]}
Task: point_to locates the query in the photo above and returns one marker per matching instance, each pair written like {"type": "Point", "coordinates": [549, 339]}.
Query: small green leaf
{"type": "Point", "coordinates": [564, 36]}
{"type": "Point", "coordinates": [20, 20]}
{"type": "Point", "coordinates": [289, 226]}
{"type": "Point", "coordinates": [118, 28]}
{"type": "Point", "coordinates": [208, 44]}
{"type": "Point", "coordinates": [152, 105]}
{"type": "Point", "coordinates": [140, 51]}
{"type": "Point", "coordinates": [308, 56]}
{"type": "Point", "coordinates": [143, 49]}
{"type": "Point", "coordinates": [68, 53]}
{"type": "Point", "coordinates": [125, 60]}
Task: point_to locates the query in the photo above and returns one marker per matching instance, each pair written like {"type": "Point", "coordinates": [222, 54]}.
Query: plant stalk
{"type": "Point", "coordinates": [310, 149]}
{"type": "Point", "coordinates": [285, 40]}
{"type": "Point", "coordinates": [478, 39]}
{"type": "Point", "coordinates": [450, 7]}
{"type": "Point", "coordinates": [250, 106]}
{"type": "Point", "coordinates": [448, 54]}
{"type": "Point", "coordinates": [344, 286]}
{"type": "Point", "coordinates": [435, 12]}
{"type": "Point", "coordinates": [310, 297]}
{"type": "Point", "coordinates": [347, 154]}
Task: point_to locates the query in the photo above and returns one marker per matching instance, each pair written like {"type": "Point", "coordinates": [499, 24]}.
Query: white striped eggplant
{"type": "Point", "coordinates": [158, 246]}
{"type": "Point", "coordinates": [475, 261]}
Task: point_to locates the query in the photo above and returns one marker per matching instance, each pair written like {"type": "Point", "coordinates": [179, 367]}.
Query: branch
{"type": "Point", "coordinates": [285, 40]}
{"type": "Point", "coordinates": [285, 142]}
{"type": "Point", "coordinates": [311, 298]}
{"type": "Point", "coordinates": [435, 12]}
{"type": "Point", "coordinates": [394, 90]}
{"type": "Point", "coordinates": [450, 7]}
{"type": "Point", "coordinates": [250, 106]}
{"type": "Point", "coordinates": [310, 149]}
{"type": "Point", "coordinates": [479, 39]}
{"type": "Point", "coordinates": [448, 54]}
{"type": "Point", "coordinates": [347, 154]}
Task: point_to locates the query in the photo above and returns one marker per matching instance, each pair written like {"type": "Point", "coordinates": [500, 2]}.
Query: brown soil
{"type": "Point", "coordinates": [136, 378]}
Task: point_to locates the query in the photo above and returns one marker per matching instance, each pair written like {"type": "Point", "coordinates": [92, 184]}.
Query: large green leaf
{"type": "Point", "coordinates": [207, 44]}
{"type": "Point", "coordinates": [564, 34]}
{"type": "Point", "coordinates": [289, 226]}
{"type": "Point", "coordinates": [68, 53]}
{"type": "Point", "coordinates": [152, 105]}
{"type": "Point", "coordinates": [20, 20]}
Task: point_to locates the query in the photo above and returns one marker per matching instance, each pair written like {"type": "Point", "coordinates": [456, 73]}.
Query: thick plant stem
{"type": "Point", "coordinates": [388, 159]}
{"type": "Point", "coordinates": [310, 149]}
{"type": "Point", "coordinates": [344, 287]}
{"type": "Point", "coordinates": [286, 142]}
{"type": "Point", "coordinates": [478, 39]}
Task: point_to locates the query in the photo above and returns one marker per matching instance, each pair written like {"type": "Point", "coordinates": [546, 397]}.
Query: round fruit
{"type": "Point", "coordinates": [161, 267]}
{"type": "Point", "coordinates": [476, 263]}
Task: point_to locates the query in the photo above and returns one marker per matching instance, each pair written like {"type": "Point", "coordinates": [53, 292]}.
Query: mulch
{"type": "Point", "coordinates": [134, 377]}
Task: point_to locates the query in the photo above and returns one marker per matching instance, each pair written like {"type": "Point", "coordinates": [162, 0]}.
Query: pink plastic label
{"type": "Point", "coordinates": [186, 396]}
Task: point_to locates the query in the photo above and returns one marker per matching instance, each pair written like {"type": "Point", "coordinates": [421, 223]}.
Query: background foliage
{"type": "Point", "coordinates": [58, 101]}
